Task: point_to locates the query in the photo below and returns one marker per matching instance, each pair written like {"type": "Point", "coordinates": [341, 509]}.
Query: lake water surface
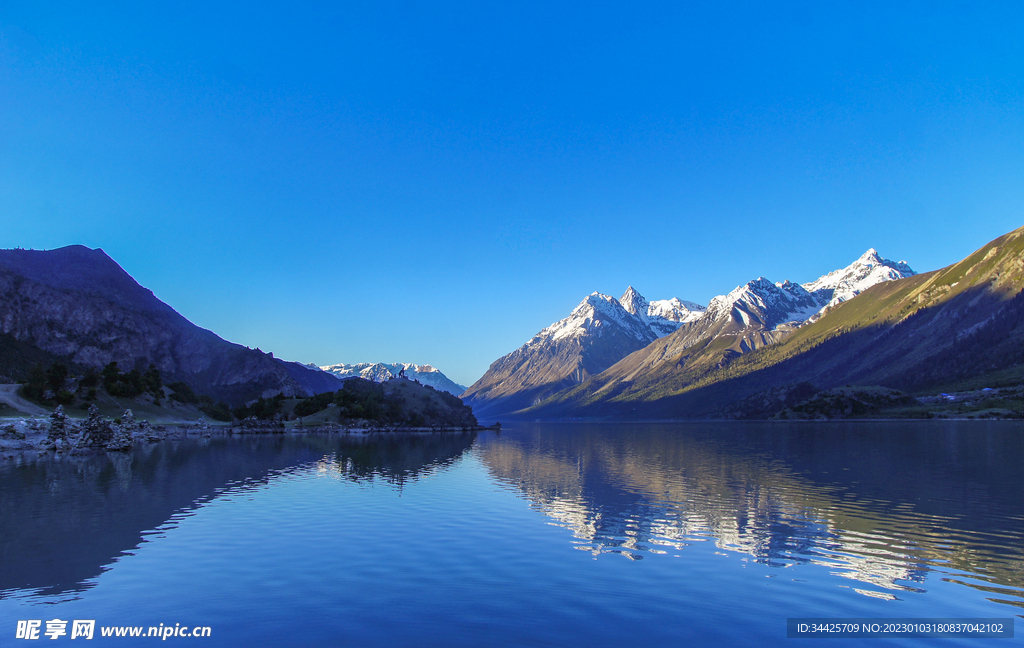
{"type": "Point", "coordinates": [542, 535]}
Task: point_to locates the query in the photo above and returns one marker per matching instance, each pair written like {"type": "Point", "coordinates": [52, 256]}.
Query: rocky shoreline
{"type": "Point", "coordinates": [62, 435]}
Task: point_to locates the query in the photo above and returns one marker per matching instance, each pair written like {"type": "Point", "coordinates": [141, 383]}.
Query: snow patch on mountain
{"type": "Point", "coordinates": [381, 372]}
{"type": "Point", "coordinates": [675, 310]}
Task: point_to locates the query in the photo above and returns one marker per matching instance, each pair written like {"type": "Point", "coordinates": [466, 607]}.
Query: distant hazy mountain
{"type": "Point", "coordinates": [381, 372]}
{"type": "Point", "coordinates": [933, 330]}
{"type": "Point", "coordinates": [77, 303]}
{"type": "Point", "coordinates": [599, 332]}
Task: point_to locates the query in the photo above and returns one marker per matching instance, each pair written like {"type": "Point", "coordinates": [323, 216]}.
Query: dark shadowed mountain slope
{"type": "Point", "coordinates": [78, 304]}
{"type": "Point", "coordinates": [964, 322]}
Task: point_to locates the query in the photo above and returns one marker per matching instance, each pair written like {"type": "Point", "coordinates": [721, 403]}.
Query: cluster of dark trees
{"type": "Point", "coordinates": [130, 384]}
{"type": "Point", "coordinates": [48, 384]}
{"type": "Point", "coordinates": [357, 399]}
{"type": "Point", "coordinates": [451, 400]}
{"type": "Point", "coordinates": [54, 384]}
{"type": "Point", "coordinates": [264, 409]}
{"type": "Point", "coordinates": [368, 400]}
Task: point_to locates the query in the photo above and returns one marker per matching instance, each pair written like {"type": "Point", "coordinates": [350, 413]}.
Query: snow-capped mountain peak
{"type": "Point", "coordinates": [769, 305]}
{"type": "Point", "coordinates": [763, 303]}
{"type": "Point", "coordinates": [870, 257]}
{"type": "Point", "coordinates": [673, 310]}
{"type": "Point", "coordinates": [596, 310]}
{"type": "Point", "coordinates": [634, 302]}
{"type": "Point", "coordinates": [665, 316]}
{"type": "Point", "coordinates": [843, 284]}
{"type": "Point", "coordinates": [600, 331]}
{"type": "Point", "coordinates": [632, 313]}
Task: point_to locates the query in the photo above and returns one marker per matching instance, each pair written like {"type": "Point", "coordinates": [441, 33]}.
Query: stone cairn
{"type": "Point", "coordinates": [122, 438]}
{"type": "Point", "coordinates": [204, 427]}
{"type": "Point", "coordinates": [58, 436]}
{"type": "Point", "coordinates": [150, 433]}
{"type": "Point", "coordinates": [96, 432]}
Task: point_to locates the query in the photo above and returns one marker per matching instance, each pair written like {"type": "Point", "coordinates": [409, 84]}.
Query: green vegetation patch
{"type": "Point", "coordinates": [397, 402]}
{"type": "Point", "coordinates": [846, 402]}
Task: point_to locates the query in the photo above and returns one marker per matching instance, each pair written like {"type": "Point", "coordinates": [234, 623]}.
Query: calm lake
{"type": "Point", "coordinates": [541, 535]}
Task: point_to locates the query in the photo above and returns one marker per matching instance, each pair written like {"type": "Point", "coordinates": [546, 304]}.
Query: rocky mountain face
{"type": "Point", "coordinates": [78, 304]}
{"type": "Point", "coordinates": [599, 332]}
{"type": "Point", "coordinates": [752, 316]}
{"type": "Point", "coordinates": [663, 316]}
{"type": "Point", "coordinates": [962, 323]}
{"type": "Point", "coordinates": [381, 372]}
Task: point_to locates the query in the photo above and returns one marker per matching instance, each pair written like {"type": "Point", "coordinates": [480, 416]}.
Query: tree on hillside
{"type": "Point", "coordinates": [36, 384]}
{"type": "Point", "coordinates": [48, 384]}
{"type": "Point", "coordinates": [151, 381]}
{"type": "Point", "coordinates": [132, 383]}
{"type": "Point", "coordinates": [111, 374]}
{"type": "Point", "coordinates": [56, 376]}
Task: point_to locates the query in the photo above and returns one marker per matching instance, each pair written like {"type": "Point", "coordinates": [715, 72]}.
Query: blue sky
{"type": "Point", "coordinates": [436, 182]}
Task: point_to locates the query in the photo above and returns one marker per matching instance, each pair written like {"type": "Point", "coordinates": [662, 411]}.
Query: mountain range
{"type": "Point", "coordinates": [381, 372]}
{"type": "Point", "coordinates": [874, 322]}
{"type": "Point", "coordinates": [961, 325]}
{"type": "Point", "coordinates": [601, 331]}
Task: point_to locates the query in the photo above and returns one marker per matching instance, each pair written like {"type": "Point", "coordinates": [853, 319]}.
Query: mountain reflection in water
{"type": "Point", "coordinates": [66, 520]}
{"type": "Point", "coordinates": [881, 504]}
{"type": "Point", "coordinates": [466, 540]}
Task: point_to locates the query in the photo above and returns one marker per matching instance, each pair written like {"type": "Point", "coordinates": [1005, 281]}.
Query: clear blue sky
{"type": "Point", "coordinates": [435, 182]}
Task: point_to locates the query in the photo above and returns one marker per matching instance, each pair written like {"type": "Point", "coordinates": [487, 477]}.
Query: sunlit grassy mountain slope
{"type": "Point", "coordinates": [963, 323]}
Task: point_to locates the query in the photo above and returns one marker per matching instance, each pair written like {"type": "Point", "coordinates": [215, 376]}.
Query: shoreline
{"type": "Point", "coordinates": [907, 419]}
{"type": "Point", "coordinates": [20, 435]}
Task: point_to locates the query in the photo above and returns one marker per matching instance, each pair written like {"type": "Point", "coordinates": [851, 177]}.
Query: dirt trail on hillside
{"type": "Point", "coordinates": [9, 396]}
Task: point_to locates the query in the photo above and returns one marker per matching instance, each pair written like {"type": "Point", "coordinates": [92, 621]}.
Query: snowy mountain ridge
{"type": "Point", "coordinates": [643, 320]}
{"type": "Point", "coordinates": [602, 332]}
{"type": "Point", "coordinates": [846, 283]}
{"type": "Point", "coordinates": [765, 303]}
{"type": "Point", "coordinates": [381, 372]}
{"type": "Point", "coordinates": [786, 303]}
